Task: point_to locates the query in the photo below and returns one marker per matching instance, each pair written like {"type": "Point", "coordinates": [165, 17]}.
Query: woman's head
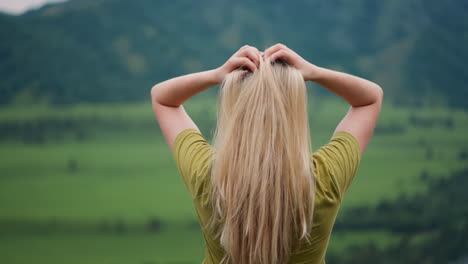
{"type": "Point", "coordinates": [262, 175]}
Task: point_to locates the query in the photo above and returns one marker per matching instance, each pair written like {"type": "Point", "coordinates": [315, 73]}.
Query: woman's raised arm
{"type": "Point", "coordinates": [365, 97]}
{"type": "Point", "coordinates": [168, 96]}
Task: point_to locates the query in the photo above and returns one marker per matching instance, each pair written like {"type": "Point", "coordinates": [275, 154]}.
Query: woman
{"type": "Point", "coordinates": [261, 196]}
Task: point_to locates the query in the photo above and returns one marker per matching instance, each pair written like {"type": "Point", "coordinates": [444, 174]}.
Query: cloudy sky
{"type": "Point", "coordinates": [20, 6]}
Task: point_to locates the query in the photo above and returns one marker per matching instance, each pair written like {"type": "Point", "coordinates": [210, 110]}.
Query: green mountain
{"type": "Point", "coordinates": [115, 50]}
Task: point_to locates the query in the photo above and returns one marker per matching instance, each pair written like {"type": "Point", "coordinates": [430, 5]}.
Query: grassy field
{"type": "Point", "coordinates": [97, 183]}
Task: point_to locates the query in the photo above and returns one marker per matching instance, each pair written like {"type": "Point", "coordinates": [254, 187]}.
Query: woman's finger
{"type": "Point", "coordinates": [281, 54]}
{"type": "Point", "coordinates": [244, 62]}
{"type": "Point", "coordinates": [251, 54]}
{"type": "Point", "coordinates": [274, 49]}
{"type": "Point", "coordinates": [246, 47]}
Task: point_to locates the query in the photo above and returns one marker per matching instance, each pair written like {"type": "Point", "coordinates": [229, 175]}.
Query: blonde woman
{"type": "Point", "coordinates": [260, 194]}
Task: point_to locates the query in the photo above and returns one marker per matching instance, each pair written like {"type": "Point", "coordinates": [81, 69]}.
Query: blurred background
{"type": "Point", "coordinates": [86, 177]}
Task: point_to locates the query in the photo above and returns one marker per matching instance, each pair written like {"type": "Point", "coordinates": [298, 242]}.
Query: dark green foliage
{"type": "Point", "coordinates": [154, 225]}
{"type": "Point", "coordinates": [437, 215]}
{"type": "Point", "coordinates": [114, 51]}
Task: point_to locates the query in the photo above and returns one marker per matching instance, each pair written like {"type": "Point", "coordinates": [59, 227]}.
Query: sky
{"type": "Point", "coordinates": [21, 6]}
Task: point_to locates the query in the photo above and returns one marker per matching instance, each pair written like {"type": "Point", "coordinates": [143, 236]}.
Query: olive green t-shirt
{"type": "Point", "coordinates": [335, 165]}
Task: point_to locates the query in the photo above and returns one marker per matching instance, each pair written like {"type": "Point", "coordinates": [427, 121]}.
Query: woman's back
{"type": "Point", "coordinates": [335, 165]}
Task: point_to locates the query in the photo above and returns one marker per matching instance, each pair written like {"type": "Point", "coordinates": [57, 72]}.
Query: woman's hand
{"type": "Point", "coordinates": [246, 56]}
{"type": "Point", "coordinates": [280, 51]}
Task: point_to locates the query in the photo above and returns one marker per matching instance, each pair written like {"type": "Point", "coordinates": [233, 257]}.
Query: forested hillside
{"type": "Point", "coordinates": [115, 50]}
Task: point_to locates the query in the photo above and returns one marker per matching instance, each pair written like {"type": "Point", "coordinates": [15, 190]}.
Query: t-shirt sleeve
{"type": "Point", "coordinates": [192, 154]}
{"type": "Point", "coordinates": [341, 155]}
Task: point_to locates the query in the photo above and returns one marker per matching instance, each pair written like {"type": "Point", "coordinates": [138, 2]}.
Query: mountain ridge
{"type": "Point", "coordinates": [114, 51]}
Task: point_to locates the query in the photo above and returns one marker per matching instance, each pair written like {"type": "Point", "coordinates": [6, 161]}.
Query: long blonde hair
{"type": "Point", "coordinates": [262, 172]}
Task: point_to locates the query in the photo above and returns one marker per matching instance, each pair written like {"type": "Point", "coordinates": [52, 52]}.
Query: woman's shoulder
{"type": "Point", "coordinates": [193, 156]}
{"type": "Point", "coordinates": [336, 163]}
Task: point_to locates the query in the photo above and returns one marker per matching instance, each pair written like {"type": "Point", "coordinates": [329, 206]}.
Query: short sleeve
{"type": "Point", "coordinates": [192, 154]}
{"type": "Point", "coordinates": [341, 155]}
